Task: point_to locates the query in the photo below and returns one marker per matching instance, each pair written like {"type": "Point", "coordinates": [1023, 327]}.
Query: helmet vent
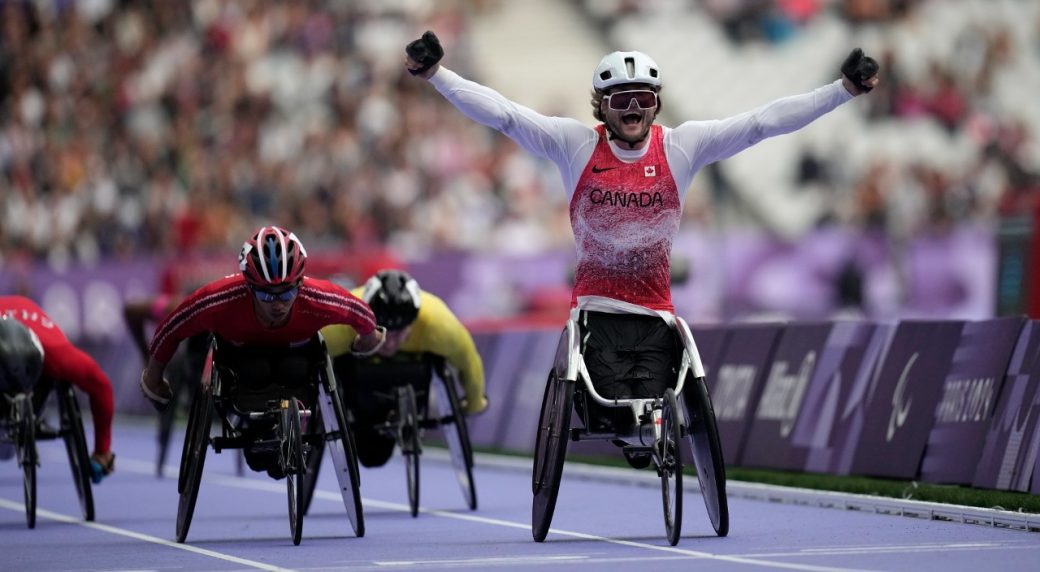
{"type": "Point", "coordinates": [605, 75]}
{"type": "Point", "coordinates": [630, 67]}
{"type": "Point", "coordinates": [653, 72]}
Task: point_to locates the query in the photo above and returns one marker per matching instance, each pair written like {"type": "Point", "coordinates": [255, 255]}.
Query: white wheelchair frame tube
{"type": "Point", "coordinates": [691, 361]}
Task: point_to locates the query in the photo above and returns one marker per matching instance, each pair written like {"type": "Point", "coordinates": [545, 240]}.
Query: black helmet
{"type": "Point", "coordinates": [21, 356]}
{"type": "Point", "coordinates": [394, 298]}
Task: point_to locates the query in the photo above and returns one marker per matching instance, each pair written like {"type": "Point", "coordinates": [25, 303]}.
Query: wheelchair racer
{"type": "Point", "coordinates": [625, 181]}
{"type": "Point", "coordinates": [416, 322]}
{"type": "Point", "coordinates": [21, 361]}
{"type": "Point", "coordinates": [270, 304]}
{"type": "Point", "coordinates": [64, 362]}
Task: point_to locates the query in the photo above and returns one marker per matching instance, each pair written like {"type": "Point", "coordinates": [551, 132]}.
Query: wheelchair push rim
{"type": "Point", "coordinates": [25, 441]}
{"type": "Point", "coordinates": [76, 447]}
{"type": "Point", "coordinates": [669, 455]}
{"type": "Point", "coordinates": [293, 465]}
{"type": "Point", "coordinates": [196, 443]}
{"type": "Point", "coordinates": [703, 435]}
{"type": "Point", "coordinates": [550, 452]}
{"type": "Point", "coordinates": [316, 439]}
{"type": "Point", "coordinates": [344, 454]}
{"type": "Point", "coordinates": [408, 441]}
{"type": "Point", "coordinates": [456, 436]}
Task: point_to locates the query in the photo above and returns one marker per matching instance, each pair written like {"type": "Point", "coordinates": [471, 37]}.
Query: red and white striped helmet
{"type": "Point", "coordinates": [272, 257]}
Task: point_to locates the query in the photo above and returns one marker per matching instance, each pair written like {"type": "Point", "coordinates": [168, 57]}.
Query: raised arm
{"type": "Point", "coordinates": [705, 142]}
{"type": "Point", "coordinates": [553, 138]}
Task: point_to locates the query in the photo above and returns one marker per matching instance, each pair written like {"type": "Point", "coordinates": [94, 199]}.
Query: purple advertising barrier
{"type": "Point", "coordinates": [523, 396]}
{"type": "Point", "coordinates": [792, 368]}
{"type": "Point", "coordinates": [968, 400]}
{"type": "Point", "coordinates": [737, 385]}
{"type": "Point", "coordinates": [711, 341]}
{"type": "Point", "coordinates": [1009, 454]}
{"type": "Point", "coordinates": [87, 304]}
{"type": "Point", "coordinates": [900, 404]}
{"type": "Point", "coordinates": [850, 352]}
{"type": "Point", "coordinates": [503, 359]}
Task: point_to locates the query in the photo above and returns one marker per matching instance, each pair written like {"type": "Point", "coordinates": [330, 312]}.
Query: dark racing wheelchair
{"type": "Point", "coordinates": [392, 402]}
{"type": "Point", "coordinates": [649, 428]}
{"type": "Point", "coordinates": [264, 400]}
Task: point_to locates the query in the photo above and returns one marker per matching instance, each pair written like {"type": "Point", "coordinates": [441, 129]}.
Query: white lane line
{"type": "Point", "coordinates": [19, 507]}
{"type": "Point", "coordinates": [270, 486]}
{"type": "Point", "coordinates": [843, 551]}
{"type": "Point", "coordinates": [508, 560]}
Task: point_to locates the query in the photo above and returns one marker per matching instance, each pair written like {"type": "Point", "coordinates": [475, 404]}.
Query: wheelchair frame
{"type": "Point", "coordinates": [408, 422]}
{"type": "Point", "coordinates": [70, 431]}
{"type": "Point", "coordinates": [658, 422]}
{"type": "Point", "coordinates": [217, 396]}
{"type": "Point", "coordinates": [18, 426]}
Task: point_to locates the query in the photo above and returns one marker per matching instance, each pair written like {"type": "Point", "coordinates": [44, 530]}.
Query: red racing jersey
{"type": "Point", "coordinates": [225, 308]}
{"type": "Point", "coordinates": [625, 217]}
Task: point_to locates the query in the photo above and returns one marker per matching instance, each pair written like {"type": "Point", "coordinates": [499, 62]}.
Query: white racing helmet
{"type": "Point", "coordinates": [626, 67]}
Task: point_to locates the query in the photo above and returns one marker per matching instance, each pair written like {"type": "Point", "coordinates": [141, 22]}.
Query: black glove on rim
{"type": "Point", "coordinates": [859, 68]}
{"type": "Point", "coordinates": [426, 51]}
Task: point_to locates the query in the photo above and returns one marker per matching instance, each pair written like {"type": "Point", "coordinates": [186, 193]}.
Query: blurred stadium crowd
{"type": "Point", "coordinates": [145, 128]}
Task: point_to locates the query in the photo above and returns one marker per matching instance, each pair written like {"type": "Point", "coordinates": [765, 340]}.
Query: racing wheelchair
{"type": "Point", "coordinates": [18, 430]}
{"type": "Point", "coordinates": [389, 403]}
{"type": "Point", "coordinates": [257, 396]}
{"type": "Point", "coordinates": [70, 431]}
{"type": "Point", "coordinates": [653, 425]}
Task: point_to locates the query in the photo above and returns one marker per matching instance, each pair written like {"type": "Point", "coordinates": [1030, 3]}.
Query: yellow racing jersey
{"type": "Point", "coordinates": [436, 330]}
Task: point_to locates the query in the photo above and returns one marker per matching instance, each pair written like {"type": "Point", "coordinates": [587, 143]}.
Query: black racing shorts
{"type": "Point", "coordinates": [627, 356]}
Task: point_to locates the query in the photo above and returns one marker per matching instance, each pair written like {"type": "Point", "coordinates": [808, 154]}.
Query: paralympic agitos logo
{"type": "Point", "coordinates": [623, 199]}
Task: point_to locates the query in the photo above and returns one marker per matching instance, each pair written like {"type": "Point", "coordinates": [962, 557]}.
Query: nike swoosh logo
{"type": "Point", "coordinates": [600, 170]}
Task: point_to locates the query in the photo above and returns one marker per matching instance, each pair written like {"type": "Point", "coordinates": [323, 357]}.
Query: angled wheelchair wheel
{"type": "Point", "coordinates": [456, 435]}
{"type": "Point", "coordinates": [550, 450]}
{"type": "Point", "coordinates": [669, 454]}
{"type": "Point", "coordinates": [316, 439]}
{"type": "Point", "coordinates": [76, 447]}
{"type": "Point", "coordinates": [25, 442]}
{"type": "Point", "coordinates": [408, 413]}
{"type": "Point", "coordinates": [340, 442]}
{"type": "Point", "coordinates": [196, 443]}
{"type": "Point", "coordinates": [294, 466]}
{"type": "Point", "coordinates": [703, 433]}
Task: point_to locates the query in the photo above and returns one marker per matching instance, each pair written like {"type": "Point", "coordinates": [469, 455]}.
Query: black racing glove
{"type": "Point", "coordinates": [426, 51]}
{"type": "Point", "coordinates": [859, 68]}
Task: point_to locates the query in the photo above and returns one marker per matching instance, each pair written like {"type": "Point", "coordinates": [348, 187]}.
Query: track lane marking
{"type": "Point", "coordinates": [143, 467]}
{"type": "Point", "coordinates": [20, 507]}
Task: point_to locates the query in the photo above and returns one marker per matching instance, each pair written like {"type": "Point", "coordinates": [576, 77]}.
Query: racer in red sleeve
{"type": "Point", "coordinates": [270, 304]}
{"type": "Point", "coordinates": [65, 362]}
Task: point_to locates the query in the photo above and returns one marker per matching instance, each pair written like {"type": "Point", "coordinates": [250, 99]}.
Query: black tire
{"type": "Point", "coordinates": [669, 454]}
{"type": "Point", "coordinates": [703, 434]}
{"type": "Point", "coordinates": [456, 434]}
{"type": "Point", "coordinates": [550, 450]}
{"type": "Point", "coordinates": [196, 444]}
{"type": "Point", "coordinates": [294, 466]}
{"type": "Point", "coordinates": [167, 419]}
{"type": "Point", "coordinates": [314, 455]}
{"type": "Point", "coordinates": [27, 458]}
{"type": "Point", "coordinates": [344, 453]}
{"type": "Point", "coordinates": [76, 447]}
{"type": "Point", "coordinates": [408, 413]}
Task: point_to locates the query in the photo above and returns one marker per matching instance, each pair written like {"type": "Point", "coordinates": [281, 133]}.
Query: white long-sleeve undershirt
{"type": "Point", "coordinates": [692, 145]}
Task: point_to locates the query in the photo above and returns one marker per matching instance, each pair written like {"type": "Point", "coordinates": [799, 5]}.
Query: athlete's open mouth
{"type": "Point", "coordinates": [632, 118]}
